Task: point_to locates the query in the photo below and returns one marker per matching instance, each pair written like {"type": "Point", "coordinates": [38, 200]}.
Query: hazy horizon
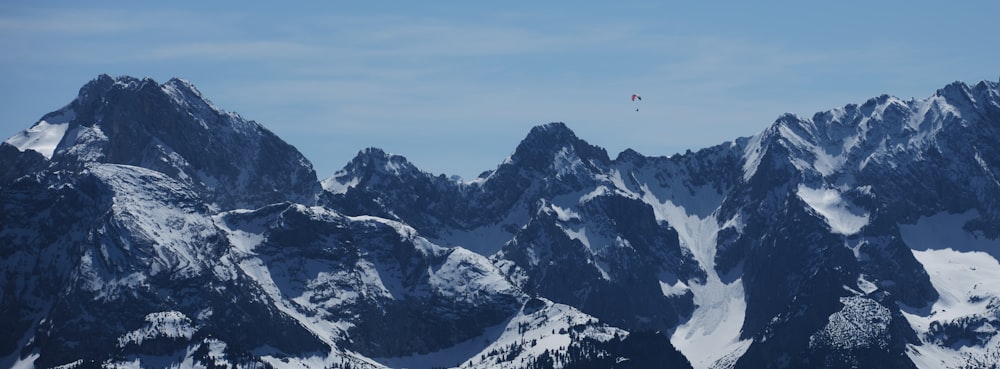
{"type": "Point", "coordinates": [455, 86]}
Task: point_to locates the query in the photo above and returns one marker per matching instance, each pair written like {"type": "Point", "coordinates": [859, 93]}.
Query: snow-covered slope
{"type": "Point", "coordinates": [865, 173]}
{"type": "Point", "coordinates": [353, 279]}
{"type": "Point", "coordinates": [113, 262]}
{"type": "Point", "coordinates": [45, 135]}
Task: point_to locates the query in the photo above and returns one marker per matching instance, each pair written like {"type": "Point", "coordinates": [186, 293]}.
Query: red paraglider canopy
{"type": "Point", "coordinates": [636, 97]}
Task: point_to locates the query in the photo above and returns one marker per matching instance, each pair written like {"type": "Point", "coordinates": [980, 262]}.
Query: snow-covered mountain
{"type": "Point", "coordinates": [769, 251]}
{"type": "Point", "coordinates": [121, 248]}
{"type": "Point", "coordinates": [144, 227]}
{"type": "Point", "coordinates": [171, 128]}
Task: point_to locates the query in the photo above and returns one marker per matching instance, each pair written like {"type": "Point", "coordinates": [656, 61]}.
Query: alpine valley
{"type": "Point", "coordinates": [144, 227]}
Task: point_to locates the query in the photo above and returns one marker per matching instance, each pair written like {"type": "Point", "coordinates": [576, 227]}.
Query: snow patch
{"type": "Point", "coordinates": [45, 135]}
{"type": "Point", "coordinates": [27, 362]}
{"type": "Point", "coordinates": [599, 191]}
{"type": "Point", "coordinates": [579, 235]}
{"type": "Point", "coordinates": [327, 331]}
{"type": "Point", "coordinates": [713, 332]}
{"type": "Point", "coordinates": [838, 213]}
{"type": "Point", "coordinates": [166, 324]}
{"type": "Point", "coordinates": [566, 161]}
{"type": "Point", "coordinates": [968, 284]}
{"type": "Point", "coordinates": [523, 337]}
{"type": "Point", "coordinates": [244, 237]}
{"type": "Point", "coordinates": [752, 155]}
{"type": "Point", "coordinates": [866, 286]}
{"type": "Point", "coordinates": [676, 289]}
{"type": "Point", "coordinates": [337, 186]}
{"type": "Point", "coordinates": [467, 276]}
{"type": "Point", "coordinates": [565, 214]}
{"type": "Point", "coordinates": [488, 239]}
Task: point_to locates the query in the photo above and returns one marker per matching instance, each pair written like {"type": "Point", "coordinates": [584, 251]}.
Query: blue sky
{"type": "Point", "coordinates": [455, 85]}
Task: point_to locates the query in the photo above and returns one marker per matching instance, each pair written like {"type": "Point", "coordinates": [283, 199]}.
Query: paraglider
{"type": "Point", "coordinates": [635, 99]}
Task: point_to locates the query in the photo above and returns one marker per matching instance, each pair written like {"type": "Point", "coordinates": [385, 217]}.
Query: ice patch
{"type": "Point", "coordinates": [837, 212]}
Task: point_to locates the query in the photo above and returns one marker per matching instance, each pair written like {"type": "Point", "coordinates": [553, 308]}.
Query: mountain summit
{"type": "Point", "coordinates": [171, 128]}
{"type": "Point", "coordinates": [539, 150]}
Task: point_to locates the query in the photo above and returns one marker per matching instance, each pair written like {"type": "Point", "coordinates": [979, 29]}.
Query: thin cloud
{"type": "Point", "coordinates": [56, 21]}
{"type": "Point", "coordinates": [227, 50]}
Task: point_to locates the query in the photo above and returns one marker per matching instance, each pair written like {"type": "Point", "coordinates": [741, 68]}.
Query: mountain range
{"type": "Point", "coordinates": [143, 226]}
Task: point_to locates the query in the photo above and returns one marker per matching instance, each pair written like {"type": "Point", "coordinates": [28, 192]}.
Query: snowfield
{"type": "Point", "coordinates": [969, 286]}
{"type": "Point", "coordinates": [45, 135]}
{"type": "Point", "coordinates": [967, 278]}
{"type": "Point", "coordinates": [839, 215]}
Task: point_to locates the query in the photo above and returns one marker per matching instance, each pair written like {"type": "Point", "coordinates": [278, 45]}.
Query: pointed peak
{"type": "Point", "coordinates": [555, 131]}
{"type": "Point", "coordinates": [545, 142]}
{"type": "Point", "coordinates": [184, 92]}
{"type": "Point", "coordinates": [956, 86]}
{"type": "Point", "coordinates": [552, 126]}
{"type": "Point", "coordinates": [183, 86]}
{"type": "Point", "coordinates": [376, 160]}
{"type": "Point", "coordinates": [178, 81]}
{"type": "Point", "coordinates": [987, 85]}
{"type": "Point", "coordinates": [548, 137]}
{"type": "Point", "coordinates": [372, 152]}
{"type": "Point", "coordinates": [97, 86]}
{"type": "Point", "coordinates": [956, 91]}
{"type": "Point", "coordinates": [788, 118]}
{"type": "Point", "coordinates": [105, 84]}
{"type": "Point", "coordinates": [631, 156]}
{"type": "Point", "coordinates": [374, 156]}
{"type": "Point", "coordinates": [987, 90]}
{"type": "Point", "coordinates": [180, 91]}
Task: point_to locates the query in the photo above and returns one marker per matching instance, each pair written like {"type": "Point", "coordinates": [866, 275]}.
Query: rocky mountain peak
{"type": "Point", "coordinates": [171, 128]}
{"type": "Point", "coordinates": [546, 144]}
{"type": "Point", "coordinates": [374, 160]}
